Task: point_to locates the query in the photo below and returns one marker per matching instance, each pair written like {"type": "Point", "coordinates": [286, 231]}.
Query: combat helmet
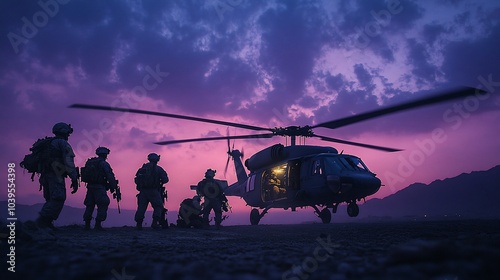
{"type": "Point", "coordinates": [153, 157]}
{"type": "Point", "coordinates": [210, 173]}
{"type": "Point", "coordinates": [102, 151]}
{"type": "Point", "coordinates": [62, 129]}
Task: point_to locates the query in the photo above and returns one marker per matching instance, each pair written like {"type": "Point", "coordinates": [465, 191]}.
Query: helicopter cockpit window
{"type": "Point", "coordinates": [332, 165]}
{"type": "Point", "coordinates": [346, 164]}
{"type": "Point", "coordinates": [357, 164]}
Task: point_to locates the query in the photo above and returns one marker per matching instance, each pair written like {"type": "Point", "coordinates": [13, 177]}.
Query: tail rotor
{"type": "Point", "coordinates": [231, 152]}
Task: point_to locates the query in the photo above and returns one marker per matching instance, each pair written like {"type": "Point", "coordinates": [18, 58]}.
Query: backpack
{"type": "Point", "coordinates": [210, 189]}
{"type": "Point", "coordinates": [40, 157]}
{"type": "Point", "coordinates": [92, 171]}
{"type": "Point", "coordinates": [146, 177]}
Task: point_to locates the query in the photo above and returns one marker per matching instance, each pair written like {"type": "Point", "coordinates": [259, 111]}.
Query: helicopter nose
{"type": "Point", "coordinates": [361, 185]}
{"type": "Point", "coordinates": [366, 185]}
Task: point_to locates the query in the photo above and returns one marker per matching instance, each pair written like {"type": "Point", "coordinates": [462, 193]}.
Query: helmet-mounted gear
{"type": "Point", "coordinates": [154, 157]}
{"type": "Point", "coordinates": [102, 151]}
{"type": "Point", "coordinates": [210, 173]}
{"type": "Point", "coordinates": [62, 129]}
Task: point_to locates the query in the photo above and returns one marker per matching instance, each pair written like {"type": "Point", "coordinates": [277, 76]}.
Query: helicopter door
{"type": "Point", "coordinates": [316, 178]}
{"type": "Point", "coordinates": [294, 175]}
{"type": "Point", "coordinates": [274, 183]}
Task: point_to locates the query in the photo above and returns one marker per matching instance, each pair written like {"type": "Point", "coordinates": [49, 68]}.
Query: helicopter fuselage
{"type": "Point", "coordinates": [304, 176]}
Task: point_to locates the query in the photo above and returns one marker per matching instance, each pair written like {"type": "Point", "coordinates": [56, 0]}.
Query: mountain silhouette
{"type": "Point", "coordinates": [469, 195]}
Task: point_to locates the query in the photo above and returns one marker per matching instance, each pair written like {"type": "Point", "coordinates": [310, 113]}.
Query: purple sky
{"type": "Point", "coordinates": [264, 63]}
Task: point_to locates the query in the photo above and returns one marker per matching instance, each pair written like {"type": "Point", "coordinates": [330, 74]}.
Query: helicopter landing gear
{"type": "Point", "coordinates": [324, 215]}
{"type": "Point", "coordinates": [255, 216]}
{"type": "Point", "coordinates": [352, 209]}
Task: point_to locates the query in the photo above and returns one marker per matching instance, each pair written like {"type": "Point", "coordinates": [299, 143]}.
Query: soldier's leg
{"type": "Point", "coordinates": [102, 202]}
{"type": "Point", "coordinates": [206, 212]}
{"type": "Point", "coordinates": [142, 205]}
{"type": "Point", "coordinates": [56, 197]}
{"type": "Point", "coordinates": [217, 205]}
{"type": "Point", "coordinates": [157, 204]}
{"type": "Point", "coordinates": [89, 203]}
{"type": "Point", "coordinates": [45, 185]}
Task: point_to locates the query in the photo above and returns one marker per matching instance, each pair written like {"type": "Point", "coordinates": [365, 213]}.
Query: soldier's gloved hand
{"type": "Point", "coordinates": [74, 186]}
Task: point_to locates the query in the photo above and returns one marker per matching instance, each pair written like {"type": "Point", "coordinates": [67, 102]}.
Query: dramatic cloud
{"type": "Point", "coordinates": [264, 63]}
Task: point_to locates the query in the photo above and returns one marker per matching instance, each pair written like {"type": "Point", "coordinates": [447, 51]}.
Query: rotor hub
{"type": "Point", "coordinates": [292, 131]}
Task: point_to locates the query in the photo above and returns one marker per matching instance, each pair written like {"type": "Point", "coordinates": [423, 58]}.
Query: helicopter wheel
{"type": "Point", "coordinates": [326, 216]}
{"type": "Point", "coordinates": [254, 217]}
{"type": "Point", "coordinates": [352, 209]}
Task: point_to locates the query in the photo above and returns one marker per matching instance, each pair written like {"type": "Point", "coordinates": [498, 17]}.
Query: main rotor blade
{"type": "Point", "coordinates": [449, 95]}
{"type": "Point", "coordinates": [268, 135]}
{"type": "Point", "coordinates": [128, 110]}
{"type": "Point", "coordinates": [357, 144]}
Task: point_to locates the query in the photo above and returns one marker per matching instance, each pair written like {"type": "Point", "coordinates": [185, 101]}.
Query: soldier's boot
{"type": "Point", "coordinates": [87, 225]}
{"type": "Point", "coordinates": [163, 224]}
{"type": "Point", "coordinates": [206, 222]}
{"type": "Point", "coordinates": [138, 225]}
{"type": "Point", "coordinates": [98, 225]}
{"type": "Point", "coordinates": [218, 224]}
{"type": "Point", "coordinates": [44, 222]}
{"type": "Point", "coordinates": [155, 224]}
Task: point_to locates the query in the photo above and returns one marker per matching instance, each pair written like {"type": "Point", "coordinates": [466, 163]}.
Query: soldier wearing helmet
{"type": "Point", "coordinates": [149, 181]}
{"type": "Point", "coordinates": [52, 177]}
{"type": "Point", "coordinates": [100, 178]}
{"type": "Point", "coordinates": [213, 196]}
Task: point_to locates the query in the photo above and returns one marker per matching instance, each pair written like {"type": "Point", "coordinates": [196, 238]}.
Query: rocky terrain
{"type": "Point", "coordinates": [459, 249]}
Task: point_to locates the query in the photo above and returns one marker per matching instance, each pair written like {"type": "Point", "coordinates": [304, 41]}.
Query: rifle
{"type": "Point", "coordinates": [78, 176]}
{"type": "Point", "coordinates": [226, 207]}
{"type": "Point", "coordinates": [163, 192]}
{"type": "Point", "coordinates": [225, 204]}
{"type": "Point", "coordinates": [118, 196]}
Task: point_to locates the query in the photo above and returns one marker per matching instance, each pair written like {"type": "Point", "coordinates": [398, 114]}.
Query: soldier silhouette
{"type": "Point", "coordinates": [149, 181]}
{"type": "Point", "coordinates": [211, 191]}
{"type": "Point", "coordinates": [101, 179]}
{"type": "Point", "coordinates": [60, 165]}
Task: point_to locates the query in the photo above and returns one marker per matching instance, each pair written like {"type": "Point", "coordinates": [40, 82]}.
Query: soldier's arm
{"type": "Point", "coordinates": [110, 176]}
{"type": "Point", "coordinates": [199, 188]}
{"type": "Point", "coordinates": [163, 176]}
{"type": "Point", "coordinates": [68, 157]}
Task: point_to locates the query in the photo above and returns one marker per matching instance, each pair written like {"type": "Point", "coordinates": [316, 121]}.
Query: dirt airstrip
{"type": "Point", "coordinates": [458, 249]}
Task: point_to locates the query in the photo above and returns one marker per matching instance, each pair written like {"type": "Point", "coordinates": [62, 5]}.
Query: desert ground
{"type": "Point", "coordinates": [459, 249]}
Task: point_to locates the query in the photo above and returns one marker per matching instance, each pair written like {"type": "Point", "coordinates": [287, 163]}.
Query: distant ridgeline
{"type": "Point", "coordinates": [469, 195]}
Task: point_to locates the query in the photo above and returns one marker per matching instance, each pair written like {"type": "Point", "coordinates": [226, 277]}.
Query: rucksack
{"type": "Point", "coordinates": [40, 157]}
{"type": "Point", "coordinates": [92, 171]}
{"type": "Point", "coordinates": [146, 177]}
{"type": "Point", "coordinates": [209, 188]}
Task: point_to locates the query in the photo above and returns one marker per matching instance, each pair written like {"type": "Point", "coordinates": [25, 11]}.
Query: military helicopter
{"type": "Point", "coordinates": [301, 175]}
